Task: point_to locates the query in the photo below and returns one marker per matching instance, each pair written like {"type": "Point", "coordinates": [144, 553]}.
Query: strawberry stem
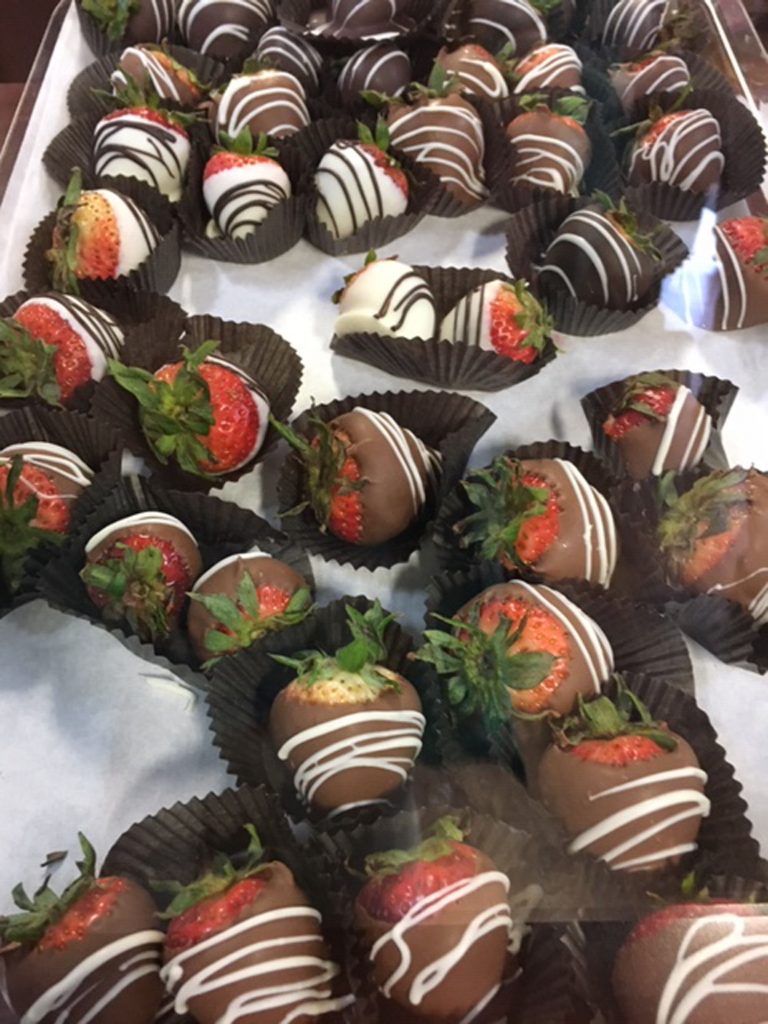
{"type": "Point", "coordinates": [112, 16]}
{"type": "Point", "coordinates": [705, 510]}
{"type": "Point", "coordinates": [440, 843]}
{"type": "Point", "coordinates": [17, 534]}
{"type": "Point", "coordinates": [27, 365]}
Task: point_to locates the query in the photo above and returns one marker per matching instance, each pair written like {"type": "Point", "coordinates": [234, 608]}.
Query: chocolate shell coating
{"type": "Point", "coordinates": [66, 471]}
{"type": "Point", "coordinates": [632, 27]}
{"type": "Point", "coordinates": [478, 71]}
{"type": "Point", "coordinates": [152, 21]}
{"type": "Point", "coordinates": [264, 571]}
{"type": "Point", "coordinates": [499, 23]}
{"type": "Point", "coordinates": [259, 984]}
{"type": "Point", "coordinates": [590, 659]}
{"type": "Point", "coordinates": [223, 28]}
{"type": "Point", "coordinates": [548, 151]}
{"type": "Point", "coordinates": [357, 20]}
{"type": "Point", "coordinates": [376, 753]}
{"type": "Point", "coordinates": [90, 973]}
{"type": "Point", "coordinates": [436, 942]}
{"type": "Point", "coordinates": [640, 817]}
{"type": "Point", "coordinates": [675, 443]}
{"type": "Point", "coordinates": [285, 51]}
{"type": "Point", "coordinates": [712, 960]}
{"type": "Point", "coordinates": [685, 153]}
{"type": "Point", "coordinates": [145, 65]}
{"type": "Point", "coordinates": [383, 68]}
{"type": "Point", "coordinates": [272, 102]}
{"type": "Point", "coordinates": [560, 69]}
{"type": "Point", "coordinates": [741, 289]}
{"type": "Point", "coordinates": [635, 84]}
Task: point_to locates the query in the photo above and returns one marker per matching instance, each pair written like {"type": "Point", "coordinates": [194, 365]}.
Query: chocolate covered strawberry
{"type": "Point", "coordinates": [91, 953]}
{"type": "Point", "coordinates": [658, 425]}
{"type": "Point", "coordinates": [549, 146]}
{"type": "Point", "coordinates": [683, 149]}
{"type": "Point", "coordinates": [244, 942]}
{"type": "Point", "coordinates": [627, 789]}
{"type": "Point", "coordinates": [437, 922]}
{"type": "Point", "coordinates": [478, 72]}
{"type": "Point", "coordinates": [133, 20]}
{"type": "Point", "coordinates": [502, 317]}
{"type": "Point", "coordinates": [714, 537]}
{"type": "Point", "coordinates": [203, 411]}
{"type": "Point", "coordinates": [358, 181]}
{"type": "Point", "coordinates": [654, 75]}
{"type": "Point", "coordinates": [549, 66]}
{"type": "Point", "coordinates": [708, 961]}
{"type": "Point", "coordinates": [518, 649]}
{"type": "Point", "coordinates": [99, 235]}
{"type": "Point", "coordinates": [349, 728]}
{"type": "Point", "coordinates": [242, 598]}
{"type": "Point", "coordinates": [540, 514]}
{"type": "Point", "coordinates": [367, 479]}
{"type": "Point", "coordinates": [139, 570]}
{"type": "Point", "coordinates": [152, 69]}
{"type": "Point", "coordinates": [242, 182]}
{"type": "Point", "coordinates": [263, 101]}
{"type": "Point", "coordinates": [740, 290]}
{"type": "Point", "coordinates": [387, 297]}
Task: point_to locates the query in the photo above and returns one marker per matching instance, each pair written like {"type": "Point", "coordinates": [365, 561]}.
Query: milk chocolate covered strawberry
{"type": "Point", "coordinates": [153, 70]}
{"type": "Point", "coordinates": [515, 24]}
{"type": "Point", "coordinates": [478, 71]}
{"type": "Point", "coordinates": [383, 69]}
{"type": "Point", "coordinates": [437, 922]}
{"type": "Point", "coordinates": [244, 943]}
{"type": "Point", "coordinates": [366, 477]}
{"type": "Point", "coordinates": [549, 146]}
{"type": "Point", "coordinates": [139, 569]}
{"type": "Point", "coordinates": [92, 953]}
{"type": "Point", "coordinates": [223, 28]}
{"type": "Point", "coordinates": [540, 514]}
{"type": "Point", "coordinates": [681, 149]}
{"type": "Point", "coordinates": [549, 66]}
{"type": "Point", "coordinates": [286, 51]}
{"type": "Point", "coordinates": [135, 21]}
{"type": "Point", "coordinates": [349, 728]}
{"type": "Point", "coordinates": [265, 101]}
{"type": "Point", "coordinates": [204, 412]}
{"type": "Point", "coordinates": [653, 75]}
{"type": "Point", "coordinates": [741, 289]}
{"type": "Point", "coordinates": [627, 789]}
{"type": "Point", "coordinates": [518, 649]}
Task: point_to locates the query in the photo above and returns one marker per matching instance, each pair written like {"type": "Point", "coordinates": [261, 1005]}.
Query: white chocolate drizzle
{"type": "Point", "coordinates": [278, 108]}
{"type": "Point", "coordinates": [758, 606]}
{"type": "Point", "coordinates": [634, 25]}
{"type": "Point", "coordinates": [728, 264]}
{"type": "Point", "coordinates": [510, 20]}
{"type": "Point", "coordinates": [257, 13]}
{"type": "Point", "coordinates": [367, 69]}
{"type": "Point", "coordinates": [668, 157]}
{"type": "Point", "coordinates": [290, 53]}
{"type": "Point", "coordinates": [599, 541]}
{"type": "Point", "coordinates": [425, 133]}
{"type": "Point", "coordinates": [414, 468]}
{"type": "Point", "coordinates": [697, 441]}
{"type": "Point", "coordinates": [547, 162]}
{"type": "Point", "coordinates": [141, 521]}
{"type": "Point", "coordinates": [161, 80]}
{"type": "Point", "coordinates": [561, 64]}
{"type": "Point", "coordinates": [51, 458]}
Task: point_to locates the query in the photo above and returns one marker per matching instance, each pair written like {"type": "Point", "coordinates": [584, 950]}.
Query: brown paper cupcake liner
{"type": "Point", "coordinates": [531, 230]}
{"type": "Point", "coordinates": [243, 689]}
{"type": "Point", "coordinates": [451, 424]}
{"type": "Point", "coordinates": [716, 395]}
{"type": "Point", "coordinates": [156, 274]}
{"type": "Point", "coordinates": [743, 147]}
{"type": "Point", "coordinates": [83, 95]}
{"type": "Point", "coordinates": [221, 528]}
{"type": "Point", "coordinates": [418, 17]}
{"type": "Point", "coordinates": [457, 505]}
{"type": "Point", "coordinates": [266, 357]}
{"type": "Point", "coordinates": [601, 174]}
{"type": "Point", "coordinates": [440, 363]}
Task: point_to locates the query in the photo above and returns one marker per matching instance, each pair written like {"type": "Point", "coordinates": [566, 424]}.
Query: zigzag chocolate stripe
{"type": "Point", "coordinates": [158, 154]}
{"type": "Point", "coordinates": [547, 162]}
{"type": "Point", "coordinates": [634, 25]}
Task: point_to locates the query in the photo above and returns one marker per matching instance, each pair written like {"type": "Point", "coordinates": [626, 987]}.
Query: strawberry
{"type": "Point", "coordinates": [153, 70]}
{"type": "Point", "coordinates": [377, 148]}
{"type": "Point", "coordinates": [748, 237]}
{"type": "Point", "coordinates": [518, 324]}
{"type": "Point", "coordinates": [32, 513]}
{"type": "Point", "coordinates": [52, 512]}
{"type": "Point", "coordinates": [618, 751]}
{"type": "Point", "coordinates": [516, 517]}
{"type": "Point", "coordinates": [53, 375]}
{"type": "Point", "coordinates": [648, 396]}
{"type": "Point", "coordinates": [204, 412]}
{"type": "Point", "coordinates": [50, 944]}
{"type": "Point", "coordinates": [28, 365]}
{"type": "Point", "coordinates": [549, 146]}
{"type": "Point", "coordinates": [165, 119]}
{"type": "Point", "coordinates": [242, 182]}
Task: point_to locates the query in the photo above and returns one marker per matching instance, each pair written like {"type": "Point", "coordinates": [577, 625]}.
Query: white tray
{"type": "Point", "coordinates": [94, 738]}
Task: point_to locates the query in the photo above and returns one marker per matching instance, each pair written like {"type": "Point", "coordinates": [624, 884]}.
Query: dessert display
{"type": "Point", "coordinates": [657, 74]}
{"type": "Point", "coordinates": [437, 922]}
{"type": "Point", "coordinates": [367, 478]}
{"type": "Point", "coordinates": [540, 514]}
{"type": "Point", "coordinates": [145, 143]}
{"type": "Point", "coordinates": [478, 71]}
{"type": "Point", "coordinates": [53, 346]}
{"type": "Point", "coordinates": [518, 648]}
{"type": "Point", "coordinates": [601, 256]}
{"type": "Point", "coordinates": [501, 317]}
{"type": "Point", "coordinates": [382, 68]}
{"type": "Point", "coordinates": [659, 425]}
{"type": "Point", "coordinates": [204, 412]}
{"type": "Point", "coordinates": [266, 102]}
{"type": "Point", "coordinates": [140, 21]}
{"type": "Point", "coordinates": [549, 66]}
{"type": "Point", "coordinates": [99, 235]}
{"type": "Point", "coordinates": [549, 146]}
{"type": "Point", "coordinates": [223, 28]}
{"type": "Point", "coordinates": [713, 537]}
{"type": "Point", "coordinates": [627, 789]}
{"type": "Point", "coordinates": [240, 599]}
{"type": "Point", "coordinates": [242, 182]}
{"type": "Point", "coordinates": [681, 149]}
{"type": "Point", "coordinates": [153, 70]}
{"type": "Point", "coordinates": [348, 727]}
{"type": "Point", "coordinates": [386, 297]}
{"type": "Point", "coordinates": [139, 569]}
{"type": "Point", "coordinates": [633, 27]}
{"type": "Point", "coordinates": [92, 952]}
{"type": "Point", "coordinates": [516, 24]}
{"type": "Point", "coordinates": [356, 20]}
{"type": "Point", "coordinates": [706, 960]}
{"type": "Point", "coordinates": [357, 181]}
{"type": "Point", "coordinates": [245, 942]}
{"type": "Point", "coordinates": [281, 49]}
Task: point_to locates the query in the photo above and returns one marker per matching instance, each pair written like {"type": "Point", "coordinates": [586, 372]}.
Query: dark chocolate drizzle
{"type": "Point", "coordinates": [90, 320]}
{"type": "Point", "coordinates": [236, 206]}
{"type": "Point", "coordinates": [367, 189]}
{"type": "Point", "coordinates": [409, 289]}
{"type": "Point", "coordinates": [159, 157]}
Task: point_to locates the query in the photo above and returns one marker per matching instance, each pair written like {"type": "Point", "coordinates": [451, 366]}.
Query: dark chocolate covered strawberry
{"type": "Point", "coordinates": [366, 477]}
{"type": "Point", "coordinates": [135, 21]}
{"type": "Point", "coordinates": [518, 649]}
{"type": "Point", "coordinates": [152, 69]}
{"type": "Point", "coordinates": [714, 537]}
{"type": "Point", "coordinates": [702, 963]}
{"type": "Point", "coordinates": [349, 728]}
{"type": "Point", "coordinates": [264, 101]}
{"type": "Point", "coordinates": [513, 24]}
{"type": "Point", "coordinates": [92, 953]}
{"type": "Point", "coordinates": [437, 922]}
{"type": "Point", "coordinates": [502, 317]}
{"type": "Point", "coordinates": [549, 66]}
{"type": "Point", "coordinates": [549, 146]}
{"type": "Point", "coordinates": [540, 514]}
{"type": "Point", "coordinates": [224, 29]}
{"type": "Point", "coordinates": [654, 75]}
{"type": "Point", "coordinates": [681, 149]}
{"type": "Point", "coordinates": [741, 286]}
{"type": "Point", "coordinates": [658, 425]}
{"type": "Point", "coordinates": [627, 789]}
{"type": "Point", "coordinates": [244, 943]}
{"type": "Point", "coordinates": [282, 49]}
{"type": "Point", "coordinates": [479, 72]}
{"type": "Point", "coordinates": [242, 598]}
{"type": "Point", "coordinates": [203, 411]}
{"type": "Point", "coordinates": [139, 570]}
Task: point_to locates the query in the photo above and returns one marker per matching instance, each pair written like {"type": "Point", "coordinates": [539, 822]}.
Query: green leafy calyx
{"type": "Point", "coordinates": [445, 833]}
{"type": "Point", "coordinates": [18, 535]}
{"type": "Point", "coordinates": [634, 397]}
{"type": "Point", "coordinates": [705, 510]}
{"type": "Point", "coordinates": [132, 586]}
{"type": "Point", "coordinates": [112, 16]}
{"type": "Point", "coordinates": [626, 221]}
{"type": "Point", "coordinates": [63, 254]}
{"type": "Point", "coordinates": [244, 144]}
{"type": "Point", "coordinates": [27, 365]}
